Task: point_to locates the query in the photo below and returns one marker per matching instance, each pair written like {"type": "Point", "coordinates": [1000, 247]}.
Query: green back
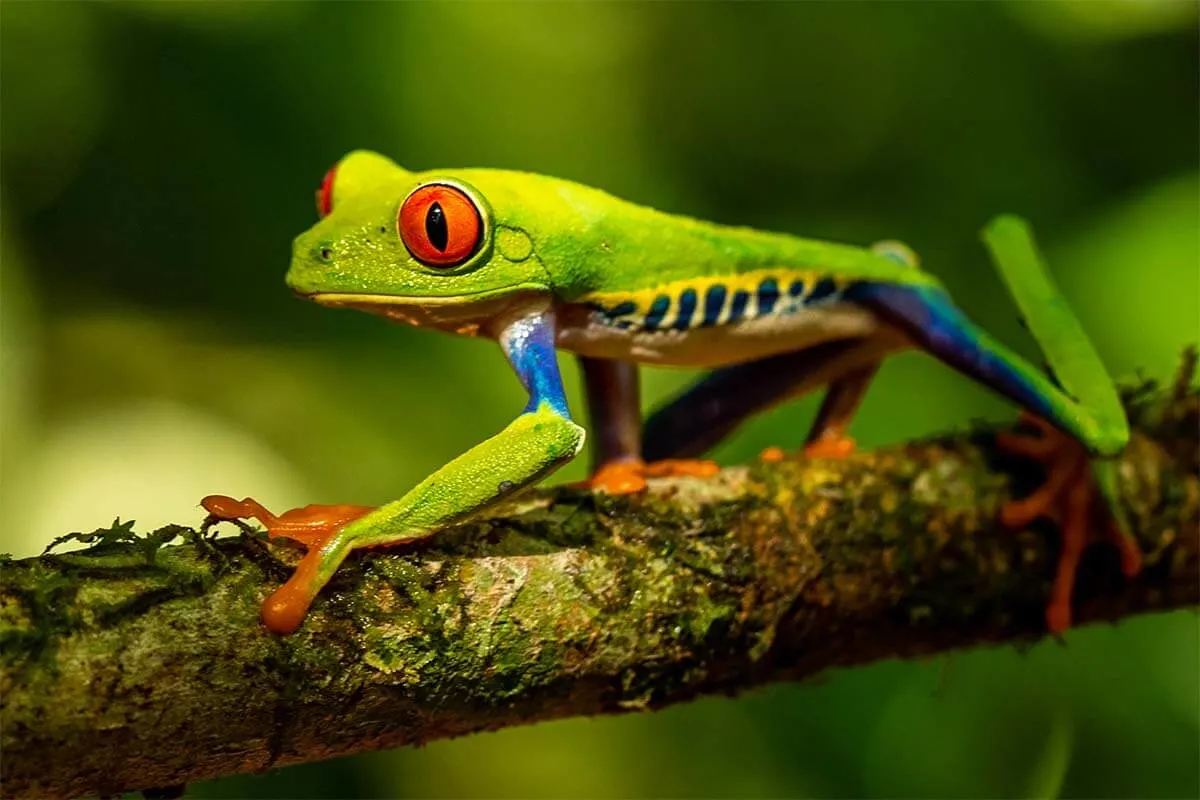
{"type": "Point", "coordinates": [592, 242]}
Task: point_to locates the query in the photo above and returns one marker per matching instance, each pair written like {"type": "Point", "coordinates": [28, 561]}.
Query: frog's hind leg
{"type": "Point", "coordinates": [937, 326]}
{"type": "Point", "coordinates": [613, 395]}
{"type": "Point", "coordinates": [1067, 434]}
{"type": "Point", "coordinates": [828, 437]}
{"type": "Point", "coordinates": [718, 404]}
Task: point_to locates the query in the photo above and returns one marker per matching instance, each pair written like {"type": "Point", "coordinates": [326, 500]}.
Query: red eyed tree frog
{"type": "Point", "coordinates": [540, 264]}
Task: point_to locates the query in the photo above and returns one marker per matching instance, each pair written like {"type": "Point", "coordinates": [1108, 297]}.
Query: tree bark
{"type": "Point", "coordinates": [136, 664]}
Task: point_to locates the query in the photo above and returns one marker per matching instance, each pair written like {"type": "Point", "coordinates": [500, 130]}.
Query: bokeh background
{"type": "Point", "coordinates": [157, 159]}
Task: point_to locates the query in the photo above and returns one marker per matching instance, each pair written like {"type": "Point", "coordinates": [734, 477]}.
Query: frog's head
{"type": "Point", "coordinates": [424, 248]}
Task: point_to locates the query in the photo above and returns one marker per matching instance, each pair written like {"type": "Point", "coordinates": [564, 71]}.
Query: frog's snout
{"type": "Point", "coordinates": [310, 263]}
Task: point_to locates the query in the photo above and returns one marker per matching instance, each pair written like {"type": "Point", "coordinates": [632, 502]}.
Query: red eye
{"type": "Point", "coordinates": [325, 193]}
{"type": "Point", "coordinates": [440, 225]}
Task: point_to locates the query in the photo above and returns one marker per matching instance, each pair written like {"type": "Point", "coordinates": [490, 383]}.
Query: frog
{"type": "Point", "coordinates": [541, 265]}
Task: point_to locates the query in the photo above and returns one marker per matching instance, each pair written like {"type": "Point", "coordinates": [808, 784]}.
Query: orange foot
{"type": "Point", "coordinates": [312, 526]}
{"type": "Point", "coordinates": [835, 446]}
{"type": "Point", "coordinates": [772, 454]}
{"type": "Point", "coordinates": [628, 477]}
{"type": "Point", "coordinates": [1069, 498]}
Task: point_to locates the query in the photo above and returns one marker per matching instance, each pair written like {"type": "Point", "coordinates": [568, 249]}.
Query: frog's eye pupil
{"type": "Point", "coordinates": [435, 227]}
{"type": "Point", "coordinates": [440, 225]}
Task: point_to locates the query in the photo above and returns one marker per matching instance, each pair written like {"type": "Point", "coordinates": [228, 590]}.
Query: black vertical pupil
{"type": "Point", "coordinates": [435, 227]}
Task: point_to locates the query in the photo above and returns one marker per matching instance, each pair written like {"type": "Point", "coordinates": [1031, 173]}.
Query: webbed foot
{"type": "Point", "coordinates": [629, 476]}
{"type": "Point", "coordinates": [313, 526]}
{"type": "Point", "coordinates": [1068, 496]}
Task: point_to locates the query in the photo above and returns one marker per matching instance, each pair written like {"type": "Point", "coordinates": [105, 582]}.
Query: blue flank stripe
{"type": "Point", "coordinates": [714, 302]}
{"type": "Point", "coordinates": [715, 297]}
{"type": "Point", "coordinates": [824, 289]}
{"type": "Point", "coordinates": [658, 310]}
{"type": "Point", "coordinates": [737, 307]}
{"type": "Point", "coordinates": [622, 310]}
{"type": "Point", "coordinates": [768, 296]}
{"type": "Point", "coordinates": [687, 307]}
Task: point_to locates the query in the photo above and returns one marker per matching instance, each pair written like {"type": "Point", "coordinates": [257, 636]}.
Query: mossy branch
{"type": "Point", "coordinates": [136, 664]}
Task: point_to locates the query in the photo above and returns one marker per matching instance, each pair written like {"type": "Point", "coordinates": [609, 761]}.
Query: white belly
{"type": "Point", "coordinates": [719, 345]}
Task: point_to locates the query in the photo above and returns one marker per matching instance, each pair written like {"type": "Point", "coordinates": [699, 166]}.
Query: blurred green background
{"type": "Point", "coordinates": [157, 159]}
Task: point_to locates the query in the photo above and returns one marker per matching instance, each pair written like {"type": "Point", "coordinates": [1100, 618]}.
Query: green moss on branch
{"type": "Point", "coordinates": [135, 663]}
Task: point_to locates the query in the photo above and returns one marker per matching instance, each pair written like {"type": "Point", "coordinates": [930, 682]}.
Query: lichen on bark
{"type": "Point", "coordinates": [139, 662]}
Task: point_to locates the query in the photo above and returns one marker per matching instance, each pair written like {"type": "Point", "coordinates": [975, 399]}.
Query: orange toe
{"type": "Point", "coordinates": [833, 446]}
{"type": "Point", "coordinates": [1058, 616]}
{"type": "Point", "coordinates": [617, 477]}
{"type": "Point", "coordinates": [1074, 530]}
{"type": "Point", "coordinates": [224, 507]}
{"type": "Point", "coordinates": [1131, 556]}
{"type": "Point", "coordinates": [284, 609]}
{"type": "Point", "coordinates": [629, 476]}
{"type": "Point", "coordinates": [772, 454]}
{"type": "Point", "coordinates": [681, 468]}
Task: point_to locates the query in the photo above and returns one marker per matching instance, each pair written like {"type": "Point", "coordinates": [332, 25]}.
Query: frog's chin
{"type": "Point", "coordinates": [467, 315]}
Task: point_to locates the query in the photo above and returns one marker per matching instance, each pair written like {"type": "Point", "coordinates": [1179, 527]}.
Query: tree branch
{"type": "Point", "coordinates": [133, 664]}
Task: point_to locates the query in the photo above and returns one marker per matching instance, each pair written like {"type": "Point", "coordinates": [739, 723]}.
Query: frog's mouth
{"type": "Point", "coordinates": [466, 314]}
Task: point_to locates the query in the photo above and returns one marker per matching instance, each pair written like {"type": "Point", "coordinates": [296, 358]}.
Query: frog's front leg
{"type": "Point", "coordinates": [614, 407]}
{"type": "Point", "coordinates": [537, 442]}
